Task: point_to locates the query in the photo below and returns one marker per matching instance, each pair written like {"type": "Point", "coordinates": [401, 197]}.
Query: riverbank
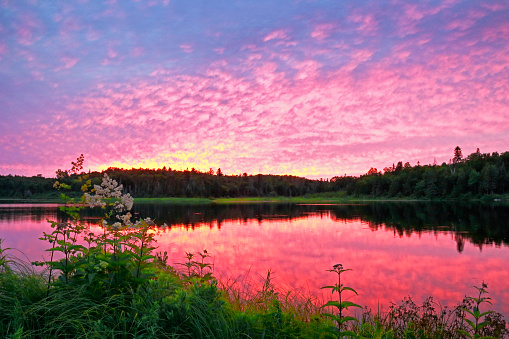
{"type": "Point", "coordinates": [319, 198]}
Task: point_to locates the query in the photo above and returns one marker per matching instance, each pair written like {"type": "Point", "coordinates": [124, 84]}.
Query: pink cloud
{"type": "Point", "coordinates": [274, 110]}
{"type": "Point", "coordinates": [277, 34]}
{"type": "Point", "coordinates": [188, 48]}
{"type": "Point", "coordinates": [137, 51]}
{"type": "Point", "coordinates": [93, 35]}
{"type": "Point", "coordinates": [367, 22]}
{"type": "Point", "coordinates": [223, 105]}
{"type": "Point", "coordinates": [112, 53]}
{"type": "Point", "coordinates": [271, 122]}
{"type": "Point", "coordinates": [29, 29]}
{"type": "Point", "coordinates": [69, 62]}
{"type": "Point", "coordinates": [322, 31]}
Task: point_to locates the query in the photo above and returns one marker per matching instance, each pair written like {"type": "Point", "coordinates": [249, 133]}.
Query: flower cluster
{"type": "Point", "coordinates": [109, 188]}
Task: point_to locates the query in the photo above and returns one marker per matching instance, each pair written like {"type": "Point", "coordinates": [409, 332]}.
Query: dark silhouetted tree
{"type": "Point", "coordinates": [458, 155]}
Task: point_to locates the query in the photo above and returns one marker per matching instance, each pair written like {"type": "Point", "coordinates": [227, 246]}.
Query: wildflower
{"type": "Point", "coordinates": [104, 223]}
{"type": "Point", "coordinates": [127, 201]}
{"type": "Point", "coordinates": [109, 188]}
{"type": "Point", "coordinates": [94, 200]}
{"type": "Point", "coordinates": [116, 226]}
{"type": "Point", "coordinates": [126, 218]}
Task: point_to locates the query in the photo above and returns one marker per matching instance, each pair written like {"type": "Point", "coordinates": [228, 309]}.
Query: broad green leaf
{"type": "Point", "coordinates": [350, 289]}
{"type": "Point", "coordinates": [76, 247]}
{"type": "Point", "coordinates": [468, 311]}
{"type": "Point", "coordinates": [332, 303]}
{"type": "Point", "coordinates": [346, 304]}
{"type": "Point", "coordinates": [484, 313]}
{"type": "Point", "coordinates": [470, 323]}
{"type": "Point", "coordinates": [345, 319]}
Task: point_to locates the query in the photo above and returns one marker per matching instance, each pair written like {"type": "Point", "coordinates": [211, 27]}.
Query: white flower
{"type": "Point", "coordinates": [126, 218]}
{"type": "Point", "coordinates": [127, 201]}
{"type": "Point", "coordinates": [94, 200]}
{"type": "Point", "coordinates": [109, 188]}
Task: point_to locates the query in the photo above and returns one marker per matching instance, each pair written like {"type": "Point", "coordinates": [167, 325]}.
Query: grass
{"type": "Point", "coordinates": [317, 198]}
{"type": "Point", "coordinates": [177, 304]}
{"type": "Point", "coordinates": [173, 200]}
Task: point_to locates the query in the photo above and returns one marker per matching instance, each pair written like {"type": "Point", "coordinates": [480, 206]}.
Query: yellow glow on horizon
{"type": "Point", "coordinates": [203, 161]}
{"type": "Point", "coordinates": [179, 160]}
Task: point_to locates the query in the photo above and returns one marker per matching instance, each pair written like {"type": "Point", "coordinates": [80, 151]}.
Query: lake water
{"type": "Point", "coordinates": [394, 249]}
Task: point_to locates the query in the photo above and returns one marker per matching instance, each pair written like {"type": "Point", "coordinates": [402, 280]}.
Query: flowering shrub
{"type": "Point", "coordinates": [119, 257]}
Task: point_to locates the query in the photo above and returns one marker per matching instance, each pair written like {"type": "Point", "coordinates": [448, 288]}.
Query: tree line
{"type": "Point", "coordinates": [473, 176]}
{"type": "Point", "coordinates": [476, 175]}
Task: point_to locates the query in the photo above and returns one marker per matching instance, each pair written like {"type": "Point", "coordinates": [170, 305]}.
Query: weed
{"type": "Point", "coordinates": [477, 325]}
{"type": "Point", "coordinates": [340, 305]}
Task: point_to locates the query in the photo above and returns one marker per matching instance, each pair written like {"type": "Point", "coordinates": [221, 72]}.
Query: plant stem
{"type": "Point", "coordinates": [141, 253]}
{"type": "Point", "coordinates": [51, 267]}
{"type": "Point", "coordinates": [340, 308]}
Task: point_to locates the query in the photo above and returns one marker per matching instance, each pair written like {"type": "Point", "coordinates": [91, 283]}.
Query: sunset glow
{"type": "Point", "coordinates": [314, 89]}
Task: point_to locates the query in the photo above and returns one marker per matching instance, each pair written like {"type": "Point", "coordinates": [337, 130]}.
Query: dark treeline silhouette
{"type": "Point", "coordinates": [169, 183]}
{"type": "Point", "coordinates": [477, 175]}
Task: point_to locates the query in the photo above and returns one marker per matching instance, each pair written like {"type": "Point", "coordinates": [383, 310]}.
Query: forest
{"type": "Point", "coordinates": [474, 176]}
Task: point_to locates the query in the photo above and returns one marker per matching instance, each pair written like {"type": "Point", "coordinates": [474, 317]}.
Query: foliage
{"type": "Point", "coordinates": [477, 175]}
{"type": "Point", "coordinates": [340, 305]}
{"type": "Point", "coordinates": [476, 325]}
{"type": "Point", "coordinates": [117, 259]}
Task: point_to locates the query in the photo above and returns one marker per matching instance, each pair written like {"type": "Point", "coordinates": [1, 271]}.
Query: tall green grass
{"type": "Point", "coordinates": [176, 304]}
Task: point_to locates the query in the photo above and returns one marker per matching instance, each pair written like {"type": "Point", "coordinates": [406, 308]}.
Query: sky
{"type": "Point", "coordinates": [308, 88]}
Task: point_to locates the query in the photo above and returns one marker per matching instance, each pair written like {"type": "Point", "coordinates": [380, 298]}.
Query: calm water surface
{"type": "Point", "coordinates": [395, 249]}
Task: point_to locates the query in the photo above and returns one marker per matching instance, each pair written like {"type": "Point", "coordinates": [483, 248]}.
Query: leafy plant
{"type": "Point", "coordinates": [197, 270]}
{"type": "Point", "coordinates": [340, 305]}
{"type": "Point", "coordinates": [477, 325]}
{"type": "Point", "coordinates": [117, 259]}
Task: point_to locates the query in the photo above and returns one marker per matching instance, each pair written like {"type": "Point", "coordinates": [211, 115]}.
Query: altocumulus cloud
{"type": "Point", "coordinates": [291, 88]}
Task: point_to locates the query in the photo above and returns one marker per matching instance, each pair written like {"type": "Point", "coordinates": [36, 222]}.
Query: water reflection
{"type": "Point", "coordinates": [395, 250]}
{"type": "Point", "coordinates": [479, 224]}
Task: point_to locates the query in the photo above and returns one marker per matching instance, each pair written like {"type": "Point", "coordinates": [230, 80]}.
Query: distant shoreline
{"type": "Point", "coordinates": [313, 199]}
